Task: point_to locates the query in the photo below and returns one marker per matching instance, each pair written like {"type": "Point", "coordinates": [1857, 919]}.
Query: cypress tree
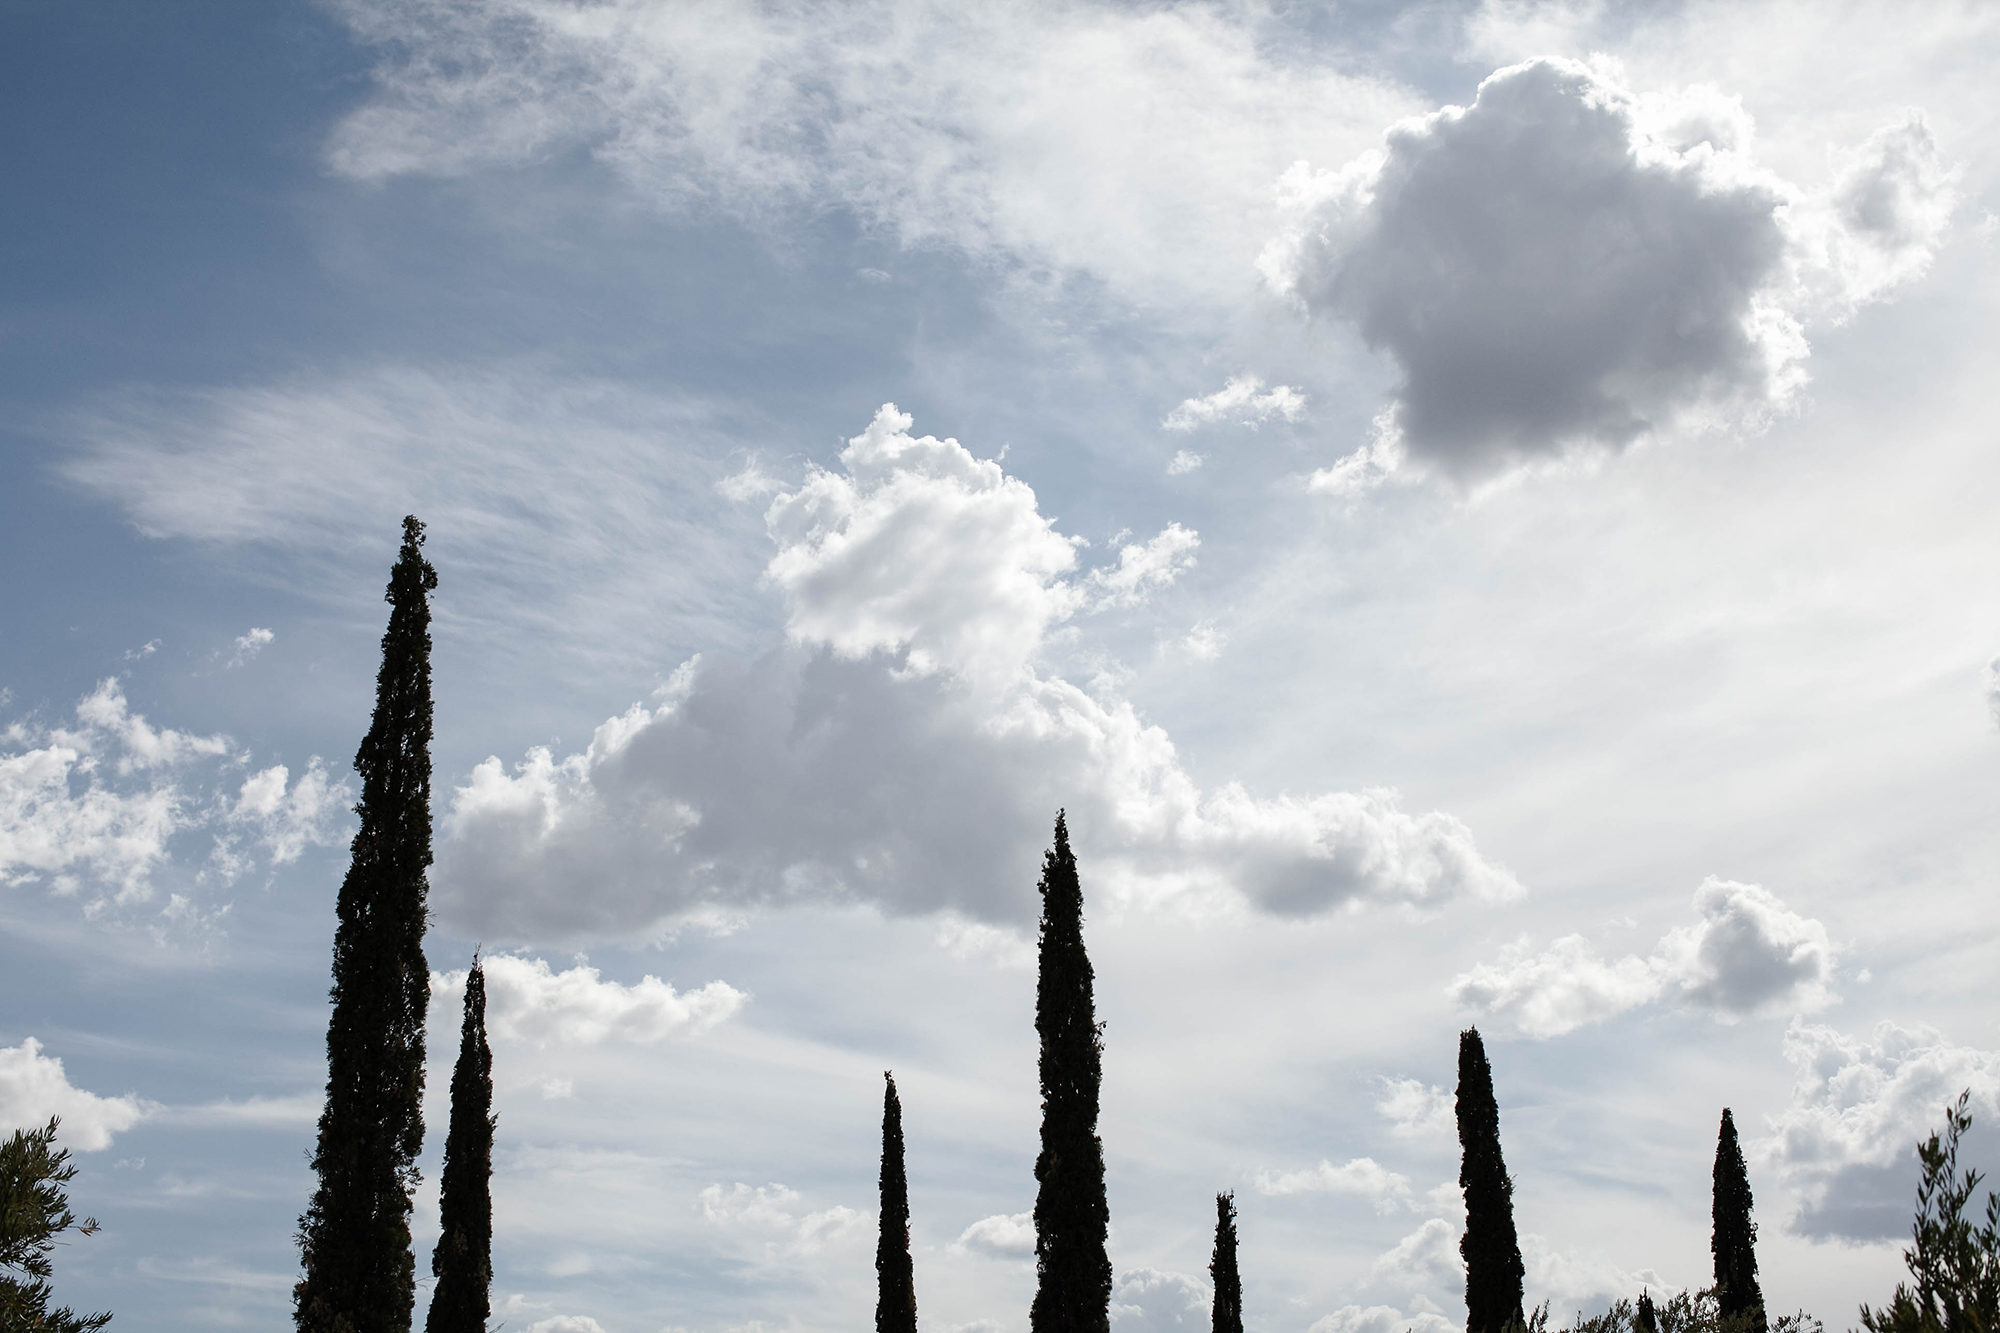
{"type": "Point", "coordinates": [354, 1239]}
{"type": "Point", "coordinates": [1222, 1268]}
{"type": "Point", "coordinates": [463, 1260]}
{"type": "Point", "coordinates": [895, 1278]}
{"type": "Point", "coordinates": [1648, 1319]}
{"type": "Point", "coordinates": [1072, 1219]}
{"type": "Point", "coordinates": [1492, 1252]}
{"type": "Point", "coordinates": [1734, 1242]}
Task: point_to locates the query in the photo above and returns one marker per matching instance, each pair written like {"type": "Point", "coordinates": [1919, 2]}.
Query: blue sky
{"type": "Point", "coordinates": [1481, 512]}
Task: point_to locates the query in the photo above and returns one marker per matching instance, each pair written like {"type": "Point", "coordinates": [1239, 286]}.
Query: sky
{"type": "Point", "coordinates": [1481, 513]}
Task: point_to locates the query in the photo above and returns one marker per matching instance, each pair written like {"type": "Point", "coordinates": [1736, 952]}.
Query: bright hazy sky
{"type": "Point", "coordinates": [1481, 513]}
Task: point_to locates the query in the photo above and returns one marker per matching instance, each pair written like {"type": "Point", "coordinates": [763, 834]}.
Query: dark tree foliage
{"type": "Point", "coordinates": [354, 1239]}
{"type": "Point", "coordinates": [895, 1277]}
{"type": "Point", "coordinates": [1072, 1219]}
{"type": "Point", "coordinates": [1684, 1312]}
{"type": "Point", "coordinates": [1734, 1242]}
{"type": "Point", "coordinates": [463, 1260]}
{"type": "Point", "coordinates": [1222, 1268]}
{"type": "Point", "coordinates": [1492, 1251]}
{"type": "Point", "coordinates": [34, 1210]}
{"type": "Point", "coordinates": [1955, 1264]}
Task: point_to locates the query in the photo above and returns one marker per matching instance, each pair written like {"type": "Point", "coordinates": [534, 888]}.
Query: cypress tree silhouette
{"type": "Point", "coordinates": [1647, 1320]}
{"type": "Point", "coordinates": [1734, 1242]}
{"type": "Point", "coordinates": [1072, 1219]}
{"type": "Point", "coordinates": [896, 1280]}
{"type": "Point", "coordinates": [354, 1239]}
{"type": "Point", "coordinates": [463, 1260]}
{"type": "Point", "coordinates": [1222, 1268]}
{"type": "Point", "coordinates": [1493, 1270]}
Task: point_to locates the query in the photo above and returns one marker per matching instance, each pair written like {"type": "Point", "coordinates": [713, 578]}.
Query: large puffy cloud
{"type": "Point", "coordinates": [34, 1087]}
{"type": "Point", "coordinates": [1845, 1141]}
{"type": "Point", "coordinates": [1568, 262]}
{"type": "Point", "coordinates": [528, 1001]}
{"type": "Point", "coordinates": [911, 746]}
{"type": "Point", "coordinates": [1748, 954]}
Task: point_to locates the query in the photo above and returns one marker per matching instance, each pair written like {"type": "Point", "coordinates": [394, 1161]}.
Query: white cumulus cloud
{"type": "Point", "coordinates": [1362, 1177]}
{"type": "Point", "coordinates": [249, 644]}
{"type": "Point", "coordinates": [1145, 567]}
{"type": "Point", "coordinates": [1567, 261]}
{"type": "Point", "coordinates": [1149, 1300]}
{"type": "Point", "coordinates": [910, 747]}
{"type": "Point", "coordinates": [772, 1213]}
{"type": "Point", "coordinates": [1749, 954]}
{"type": "Point", "coordinates": [1426, 1258]}
{"type": "Point", "coordinates": [528, 1001]}
{"type": "Point", "coordinates": [1860, 1103]}
{"type": "Point", "coordinates": [1002, 1236]}
{"type": "Point", "coordinates": [1381, 1319]}
{"type": "Point", "coordinates": [1243, 401]}
{"type": "Point", "coordinates": [1416, 1109]}
{"type": "Point", "coordinates": [291, 818]}
{"type": "Point", "coordinates": [34, 1087]}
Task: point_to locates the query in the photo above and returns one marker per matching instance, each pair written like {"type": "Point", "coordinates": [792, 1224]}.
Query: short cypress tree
{"type": "Point", "coordinates": [1228, 1316]}
{"type": "Point", "coordinates": [1648, 1319]}
{"type": "Point", "coordinates": [463, 1260]}
{"type": "Point", "coordinates": [354, 1239]}
{"type": "Point", "coordinates": [1734, 1242]}
{"type": "Point", "coordinates": [1493, 1269]}
{"type": "Point", "coordinates": [895, 1277]}
{"type": "Point", "coordinates": [1072, 1219]}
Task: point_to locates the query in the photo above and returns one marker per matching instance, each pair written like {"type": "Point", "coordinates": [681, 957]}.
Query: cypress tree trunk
{"type": "Point", "coordinates": [354, 1239]}
{"type": "Point", "coordinates": [1222, 1269]}
{"type": "Point", "coordinates": [1734, 1242]}
{"type": "Point", "coordinates": [463, 1260]}
{"type": "Point", "coordinates": [1072, 1219]}
{"type": "Point", "coordinates": [896, 1279]}
{"type": "Point", "coordinates": [1493, 1270]}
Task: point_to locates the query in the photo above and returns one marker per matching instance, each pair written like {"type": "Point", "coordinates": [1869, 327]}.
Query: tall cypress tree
{"type": "Point", "coordinates": [1228, 1316]}
{"type": "Point", "coordinates": [895, 1278]}
{"type": "Point", "coordinates": [1493, 1269]}
{"type": "Point", "coordinates": [1072, 1219]}
{"type": "Point", "coordinates": [1734, 1242]}
{"type": "Point", "coordinates": [463, 1260]}
{"type": "Point", "coordinates": [354, 1239]}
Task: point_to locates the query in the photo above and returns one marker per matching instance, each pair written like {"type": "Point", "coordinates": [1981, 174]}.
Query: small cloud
{"type": "Point", "coordinates": [967, 939]}
{"type": "Point", "coordinates": [875, 275]}
{"type": "Point", "coordinates": [1003, 1236]}
{"type": "Point", "coordinates": [528, 1001]}
{"type": "Point", "coordinates": [1147, 1300]}
{"type": "Point", "coordinates": [34, 1087]}
{"type": "Point", "coordinates": [752, 483]}
{"type": "Point", "coordinates": [249, 645]}
{"type": "Point", "coordinates": [1184, 462]}
{"type": "Point", "coordinates": [309, 814]}
{"type": "Point", "coordinates": [1381, 1319]}
{"type": "Point", "coordinates": [1748, 955]}
{"type": "Point", "coordinates": [1242, 401]}
{"type": "Point", "coordinates": [769, 1209]}
{"type": "Point", "coordinates": [1361, 1177]}
{"type": "Point", "coordinates": [1204, 642]}
{"type": "Point", "coordinates": [1426, 1257]}
{"type": "Point", "coordinates": [142, 652]}
{"type": "Point", "coordinates": [566, 1323]}
{"type": "Point", "coordinates": [1144, 568]}
{"type": "Point", "coordinates": [1415, 1109]}
{"type": "Point", "coordinates": [256, 1112]}
{"type": "Point", "coordinates": [556, 1089]}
